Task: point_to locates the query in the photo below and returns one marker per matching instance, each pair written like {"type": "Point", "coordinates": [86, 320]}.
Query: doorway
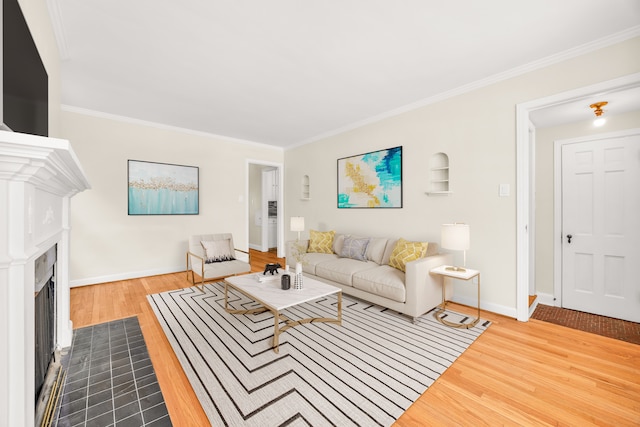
{"type": "Point", "coordinates": [597, 208]}
{"type": "Point", "coordinates": [525, 203]}
{"type": "Point", "coordinates": [264, 216]}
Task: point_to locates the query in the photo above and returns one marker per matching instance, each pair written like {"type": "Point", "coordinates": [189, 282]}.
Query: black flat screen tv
{"type": "Point", "coordinates": [25, 83]}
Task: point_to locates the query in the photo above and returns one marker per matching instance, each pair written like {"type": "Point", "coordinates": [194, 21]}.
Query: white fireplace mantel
{"type": "Point", "coordinates": [38, 177]}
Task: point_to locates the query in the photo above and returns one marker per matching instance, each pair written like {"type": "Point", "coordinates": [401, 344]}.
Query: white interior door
{"type": "Point", "coordinates": [601, 226]}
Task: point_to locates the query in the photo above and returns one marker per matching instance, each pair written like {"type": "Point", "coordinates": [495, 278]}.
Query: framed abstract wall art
{"type": "Point", "coordinates": [162, 188]}
{"type": "Point", "coordinates": [371, 180]}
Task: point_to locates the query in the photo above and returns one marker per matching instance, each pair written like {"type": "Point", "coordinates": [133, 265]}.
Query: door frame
{"type": "Point", "coordinates": [265, 216]}
{"type": "Point", "coordinates": [557, 200]}
{"type": "Point", "coordinates": [524, 202]}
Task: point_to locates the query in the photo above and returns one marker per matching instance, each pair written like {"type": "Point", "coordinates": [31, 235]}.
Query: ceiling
{"type": "Point", "coordinates": [618, 102]}
{"type": "Point", "coordinates": [287, 72]}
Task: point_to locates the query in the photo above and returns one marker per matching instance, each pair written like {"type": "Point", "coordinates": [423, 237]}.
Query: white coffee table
{"type": "Point", "coordinates": [270, 295]}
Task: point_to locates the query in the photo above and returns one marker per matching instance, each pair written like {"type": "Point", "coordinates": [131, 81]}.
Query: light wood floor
{"type": "Point", "coordinates": [524, 374]}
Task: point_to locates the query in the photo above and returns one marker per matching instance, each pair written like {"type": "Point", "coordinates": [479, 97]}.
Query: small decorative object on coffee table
{"type": "Point", "coordinates": [466, 274]}
{"type": "Point", "coordinates": [297, 280]}
{"type": "Point", "coordinates": [271, 268]}
{"type": "Point", "coordinates": [285, 281]}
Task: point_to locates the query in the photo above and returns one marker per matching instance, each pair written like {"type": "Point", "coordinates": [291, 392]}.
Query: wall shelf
{"type": "Point", "coordinates": [438, 193]}
{"type": "Point", "coordinates": [439, 171]}
{"type": "Point", "coordinates": [306, 188]}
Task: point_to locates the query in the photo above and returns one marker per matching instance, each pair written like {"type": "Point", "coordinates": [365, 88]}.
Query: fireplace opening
{"type": "Point", "coordinates": [47, 360]}
{"type": "Point", "coordinates": [44, 331]}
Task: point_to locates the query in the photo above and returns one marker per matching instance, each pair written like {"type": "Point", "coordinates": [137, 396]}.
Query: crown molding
{"type": "Point", "coordinates": [496, 78]}
{"type": "Point", "coordinates": [156, 125]}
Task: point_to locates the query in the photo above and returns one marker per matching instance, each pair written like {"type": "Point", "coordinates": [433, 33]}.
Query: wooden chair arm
{"type": "Point", "coordinates": [244, 252]}
{"type": "Point", "coordinates": [201, 265]}
{"type": "Point", "coordinates": [194, 255]}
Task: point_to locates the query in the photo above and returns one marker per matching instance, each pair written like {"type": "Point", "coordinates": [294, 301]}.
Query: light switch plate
{"type": "Point", "coordinates": [505, 190]}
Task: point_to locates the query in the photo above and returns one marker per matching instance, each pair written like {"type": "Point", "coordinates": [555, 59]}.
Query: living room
{"type": "Point", "coordinates": [474, 126]}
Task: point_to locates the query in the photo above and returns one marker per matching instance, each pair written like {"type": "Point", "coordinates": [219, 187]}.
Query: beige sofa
{"type": "Point", "coordinates": [412, 293]}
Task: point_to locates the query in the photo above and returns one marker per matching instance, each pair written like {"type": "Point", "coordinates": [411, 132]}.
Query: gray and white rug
{"type": "Point", "coordinates": [366, 372]}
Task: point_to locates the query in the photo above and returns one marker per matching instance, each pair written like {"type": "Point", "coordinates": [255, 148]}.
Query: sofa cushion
{"type": "Point", "coordinates": [341, 270]}
{"type": "Point", "coordinates": [384, 280]}
{"type": "Point", "coordinates": [321, 242]}
{"type": "Point", "coordinates": [354, 248]}
{"type": "Point", "coordinates": [375, 249]}
{"type": "Point", "coordinates": [218, 250]}
{"type": "Point", "coordinates": [313, 259]}
{"type": "Point", "coordinates": [432, 249]}
{"type": "Point", "coordinates": [405, 252]}
{"type": "Point", "coordinates": [388, 250]}
{"type": "Point", "coordinates": [338, 241]}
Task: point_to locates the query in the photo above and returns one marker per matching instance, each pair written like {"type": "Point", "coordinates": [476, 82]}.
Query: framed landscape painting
{"type": "Point", "coordinates": [162, 189]}
{"type": "Point", "coordinates": [371, 180]}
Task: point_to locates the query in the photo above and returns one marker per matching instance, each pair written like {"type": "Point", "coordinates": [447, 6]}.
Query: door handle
{"type": "Point", "coordinates": [569, 236]}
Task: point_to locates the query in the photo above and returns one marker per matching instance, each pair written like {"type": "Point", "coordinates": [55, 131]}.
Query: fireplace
{"type": "Point", "coordinates": [38, 177]}
{"type": "Point", "coordinates": [44, 317]}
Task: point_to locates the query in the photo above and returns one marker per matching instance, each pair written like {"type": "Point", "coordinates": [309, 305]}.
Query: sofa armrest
{"type": "Point", "coordinates": [424, 290]}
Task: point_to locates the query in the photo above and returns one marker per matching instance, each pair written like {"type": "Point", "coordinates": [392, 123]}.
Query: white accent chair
{"type": "Point", "coordinates": [197, 257]}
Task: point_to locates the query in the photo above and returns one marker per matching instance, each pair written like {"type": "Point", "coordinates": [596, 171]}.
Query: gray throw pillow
{"type": "Point", "coordinates": [354, 248]}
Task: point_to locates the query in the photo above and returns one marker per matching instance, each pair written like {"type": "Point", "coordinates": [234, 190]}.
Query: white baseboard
{"type": "Point", "coordinates": [533, 306]}
{"type": "Point", "coordinates": [494, 308]}
{"type": "Point", "coordinates": [546, 299]}
{"type": "Point", "coordinates": [123, 276]}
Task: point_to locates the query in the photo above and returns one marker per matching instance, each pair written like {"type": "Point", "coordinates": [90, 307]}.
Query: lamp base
{"type": "Point", "coordinates": [458, 269]}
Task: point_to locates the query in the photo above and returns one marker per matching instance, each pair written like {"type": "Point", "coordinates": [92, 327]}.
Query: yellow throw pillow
{"type": "Point", "coordinates": [321, 242]}
{"type": "Point", "coordinates": [405, 252]}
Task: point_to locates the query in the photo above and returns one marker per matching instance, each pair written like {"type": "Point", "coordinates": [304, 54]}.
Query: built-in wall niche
{"type": "Point", "coordinates": [439, 170]}
{"type": "Point", "coordinates": [306, 188]}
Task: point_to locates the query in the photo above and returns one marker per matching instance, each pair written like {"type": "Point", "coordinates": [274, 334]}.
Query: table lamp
{"type": "Point", "coordinates": [456, 237]}
{"type": "Point", "coordinates": [297, 224]}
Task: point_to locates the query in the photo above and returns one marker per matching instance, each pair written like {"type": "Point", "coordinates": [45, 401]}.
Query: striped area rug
{"type": "Point", "coordinates": [366, 372]}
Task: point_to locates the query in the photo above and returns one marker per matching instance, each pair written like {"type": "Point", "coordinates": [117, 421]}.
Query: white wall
{"type": "Point", "coordinates": [106, 243]}
{"type": "Point", "coordinates": [545, 138]}
{"type": "Point", "coordinates": [477, 131]}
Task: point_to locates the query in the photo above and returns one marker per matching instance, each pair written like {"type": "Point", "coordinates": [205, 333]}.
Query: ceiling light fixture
{"type": "Point", "coordinates": [598, 111]}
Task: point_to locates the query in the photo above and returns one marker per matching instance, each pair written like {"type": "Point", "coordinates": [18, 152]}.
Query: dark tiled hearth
{"type": "Point", "coordinates": [601, 325]}
{"type": "Point", "coordinates": [110, 379]}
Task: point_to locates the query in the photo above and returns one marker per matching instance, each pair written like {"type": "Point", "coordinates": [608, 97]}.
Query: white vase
{"type": "Point", "coordinates": [297, 279]}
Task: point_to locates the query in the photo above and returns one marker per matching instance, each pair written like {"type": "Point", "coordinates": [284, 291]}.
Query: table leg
{"type": "Point", "coordinates": [276, 332]}
{"type": "Point", "coordinates": [440, 310]}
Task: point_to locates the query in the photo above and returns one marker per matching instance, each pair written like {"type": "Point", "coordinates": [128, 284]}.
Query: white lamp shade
{"type": "Point", "coordinates": [455, 237]}
{"type": "Point", "coordinates": [297, 223]}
